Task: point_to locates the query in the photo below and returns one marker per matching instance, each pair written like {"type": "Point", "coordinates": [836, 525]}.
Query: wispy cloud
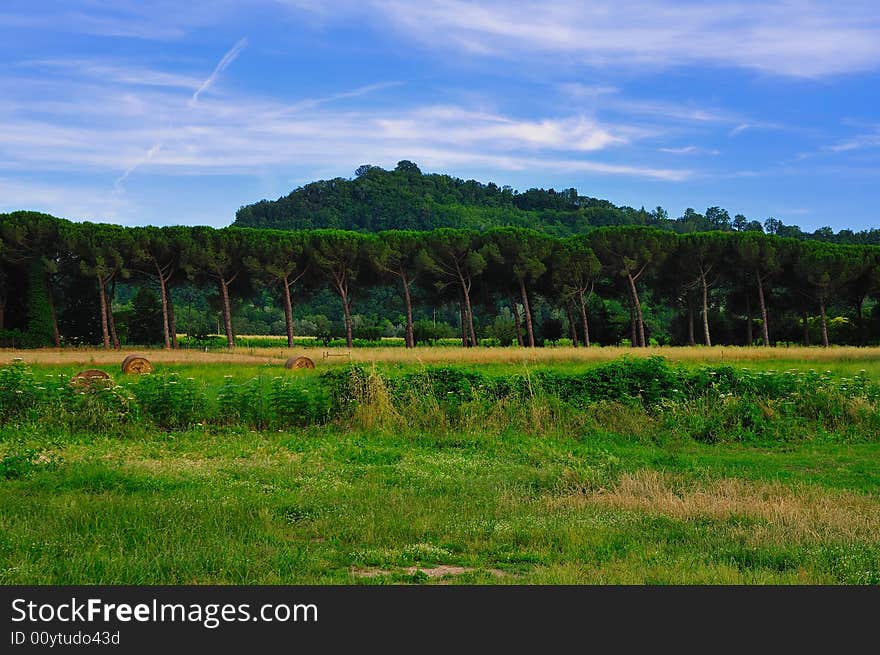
{"type": "Point", "coordinates": [753, 125]}
{"type": "Point", "coordinates": [870, 139]}
{"type": "Point", "coordinates": [146, 20]}
{"type": "Point", "coordinates": [122, 73]}
{"type": "Point", "coordinates": [806, 38]}
{"type": "Point", "coordinates": [691, 150]}
{"type": "Point", "coordinates": [603, 99]}
{"type": "Point", "coordinates": [245, 135]}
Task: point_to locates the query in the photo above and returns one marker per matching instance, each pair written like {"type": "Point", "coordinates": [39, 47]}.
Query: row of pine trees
{"type": "Point", "coordinates": [747, 273]}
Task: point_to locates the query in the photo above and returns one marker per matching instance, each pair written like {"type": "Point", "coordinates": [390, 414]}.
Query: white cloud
{"type": "Point", "coordinates": [120, 73]}
{"type": "Point", "coordinates": [691, 150]}
{"type": "Point", "coordinates": [121, 128]}
{"type": "Point", "coordinates": [808, 38]}
{"type": "Point", "coordinates": [149, 20]}
{"type": "Point", "coordinates": [869, 139]}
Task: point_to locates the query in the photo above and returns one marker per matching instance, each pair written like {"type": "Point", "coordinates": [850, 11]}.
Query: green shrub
{"type": "Point", "coordinates": [629, 379]}
{"type": "Point", "coordinates": [448, 384]}
{"type": "Point", "coordinates": [101, 406]}
{"type": "Point", "coordinates": [19, 392]}
{"type": "Point", "coordinates": [242, 402]}
{"type": "Point", "coordinates": [345, 387]}
{"type": "Point", "coordinates": [294, 404]}
{"type": "Point", "coordinates": [169, 401]}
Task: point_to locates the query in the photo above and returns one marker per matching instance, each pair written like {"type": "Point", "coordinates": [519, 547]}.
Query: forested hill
{"type": "Point", "coordinates": [406, 199]}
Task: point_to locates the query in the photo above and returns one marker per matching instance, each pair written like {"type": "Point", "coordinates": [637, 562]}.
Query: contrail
{"type": "Point", "coordinates": [354, 93]}
{"type": "Point", "coordinates": [228, 58]}
{"type": "Point", "coordinates": [222, 65]}
{"type": "Point", "coordinates": [143, 160]}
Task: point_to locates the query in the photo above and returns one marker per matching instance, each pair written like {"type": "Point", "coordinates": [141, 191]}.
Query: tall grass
{"type": "Point", "coordinates": [707, 403]}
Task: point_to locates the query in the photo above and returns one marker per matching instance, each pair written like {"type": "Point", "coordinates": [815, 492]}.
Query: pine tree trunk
{"type": "Point", "coordinates": [105, 331]}
{"type": "Point", "coordinates": [516, 322]}
{"type": "Point", "coordinates": [172, 324]}
{"type": "Point", "coordinates": [750, 339]}
{"type": "Point", "coordinates": [409, 335]}
{"type": "Point", "coordinates": [706, 337]}
{"type": "Point", "coordinates": [764, 326]}
{"type": "Point", "coordinates": [346, 308]}
{"type": "Point", "coordinates": [56, 335]}
{"type": "Point", "coordinates": [586, 323]}
{"type": "Point", "coordinates": [227, 314]}
{"type": "Point", "coordinates": [528, 313]}
{"type": "Point", "coordinates": [288, 310]}
{"type": "Point", "coordinates": [824, 323]}
{"type": "Point", "coordinates": [861, 320]}
{"type": "Point", "coordinates": [470, 314]}
{"type": "Point", "coordinates": [640, 319]}
{"type": "Point", "coordinates": [691, 340]}
{"type": "Point", "coordinates": [463, 320]}
{"type": "Point", "coordinates": [572, 327]}
{"type": "Point", "coordinates": [163, 293]}
{"type": "Point", "coordinates": [112, 321]}
{"type": "Point", "coordinates": [633, 331]}
{"type": "Point", "coordinates": [805, 327]}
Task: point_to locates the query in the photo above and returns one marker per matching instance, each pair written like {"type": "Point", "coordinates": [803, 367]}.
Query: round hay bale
{"type": "Point", "coordinates": [299, 362]}
{"type": "Point", "coordinates": [136, 364]}
{"type": "Point", "coordinates": [90, 379]}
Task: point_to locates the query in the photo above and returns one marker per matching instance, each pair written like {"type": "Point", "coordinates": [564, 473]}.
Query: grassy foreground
{"type": "Point", "coordinates": [763, 486]}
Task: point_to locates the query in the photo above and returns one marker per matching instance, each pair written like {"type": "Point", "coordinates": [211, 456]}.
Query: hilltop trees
{"type": "Point", "coordinates": [404, 198]}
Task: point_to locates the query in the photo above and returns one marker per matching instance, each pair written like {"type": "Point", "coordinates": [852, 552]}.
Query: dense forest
{"type": "Point", "coordinates": [64, 282]}
{"type": "Point", "coordinates": [405, 199]}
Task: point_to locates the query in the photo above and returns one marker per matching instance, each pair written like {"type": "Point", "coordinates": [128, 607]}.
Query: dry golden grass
{"type": "Point", "coordinates": [784, 512]}
{"type": "Point", "coordinates": [99, 356]}
{"type": "Point", "coordinates": [554, 355]}
{"type": "Point", "coordinates": [440, 355]}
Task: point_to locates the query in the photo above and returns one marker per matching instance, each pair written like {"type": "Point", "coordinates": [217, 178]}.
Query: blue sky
{"type": "Point", "coordinates": [159, 112]}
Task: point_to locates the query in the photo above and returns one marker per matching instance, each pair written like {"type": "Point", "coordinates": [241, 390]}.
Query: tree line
{"type": "Point", "coordinates": [405, 198]}
{"type": "Point", "coordinates": [748, 275]}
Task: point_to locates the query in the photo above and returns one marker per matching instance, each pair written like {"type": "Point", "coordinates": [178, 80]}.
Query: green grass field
{"type": "Point", "coordinates": [489, 472]}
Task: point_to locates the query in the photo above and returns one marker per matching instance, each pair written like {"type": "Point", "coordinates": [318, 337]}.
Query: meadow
{"type": "Point", "coordinates": [443, 465]}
